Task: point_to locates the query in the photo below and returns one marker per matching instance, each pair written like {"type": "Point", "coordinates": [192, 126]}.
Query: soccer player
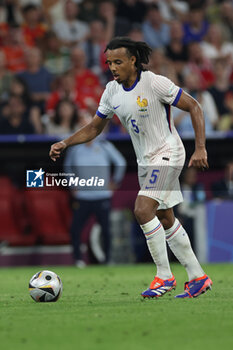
{"type": "Point", "coordinates": [142, 102]}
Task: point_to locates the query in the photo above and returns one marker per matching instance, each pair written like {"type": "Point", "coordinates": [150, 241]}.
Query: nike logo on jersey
{"type": "Point", "coordinates": [116, 107]}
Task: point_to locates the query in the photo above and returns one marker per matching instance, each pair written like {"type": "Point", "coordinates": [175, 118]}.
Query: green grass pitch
{"type": "Point", "coordinates": [101, 308]}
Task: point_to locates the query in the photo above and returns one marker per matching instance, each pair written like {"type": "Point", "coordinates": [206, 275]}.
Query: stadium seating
{"type": "Point", "coordinates": [31, 217]}
{"type": "Point", "coordinates": [49, 215]}
{"type": "Point", "coordinates": [14, 228]}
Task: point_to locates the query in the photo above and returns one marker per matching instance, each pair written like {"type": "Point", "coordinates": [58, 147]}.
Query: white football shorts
{"type": "Point", "coordinates": [160, 180]}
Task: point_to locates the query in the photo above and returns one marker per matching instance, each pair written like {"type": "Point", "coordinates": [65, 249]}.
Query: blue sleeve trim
{"type": "Point", "coordinates": [177, 97]}
{"type": "Point", "coordinates": [101, 115]}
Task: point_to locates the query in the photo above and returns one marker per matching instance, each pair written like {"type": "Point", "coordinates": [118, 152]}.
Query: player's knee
{"type": "Point", "coordinates": [145, 209]}
{"type": "Point", "coordinates": [166, 217]}
{"type": "Point", "coordinates": [138, 212]}
{"type": "Point", "coordinates": [166, 222]}
{"type": "Point", "coordinates": [143, 213]}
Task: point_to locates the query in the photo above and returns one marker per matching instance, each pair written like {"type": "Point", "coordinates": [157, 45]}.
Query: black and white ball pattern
{"type": "Point", "coordinates": [45, 286]}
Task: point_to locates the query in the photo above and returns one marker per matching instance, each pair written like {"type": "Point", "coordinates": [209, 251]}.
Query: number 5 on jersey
{"type": "Point", "coordinates": [135, 127]}
{"type": "Point", "coordinates": [154, 175]}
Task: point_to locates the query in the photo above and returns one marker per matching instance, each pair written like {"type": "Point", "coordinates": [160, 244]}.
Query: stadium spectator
{"type": "Point", "coordinates": [18, 88]}
{"type": "Point", "coordinates": [5, 78]}
{"type": "Point", "coordinates": [226, 121]}
{"type": "Point", "coordinates": [71, 31]}
{"type": "Point", "coordinates": [88, 10]}
{"type": "Point", "coordinates": [176, 50]}
{"type": "Point", "coordinates": [155, 31]}
{"type": "Point", "coordinates": [226, 18]}
{"type": "Point", "coordinates": [56, 56]}
{"type": "Point", "coordinates": [171, 10]}
{"type": "Point", "coordinates": [66, 90]}
{"type": "Point", "coordinates": [181, 118]}
{"type": "Point", "coordinates": [87, 83]}
{"type": "Point", "coordinates": [94, 49]}
{"type": "Point", "coordinates": [53, 11]}
{"type": "Point", "coordinates": [132, 10]}
{"type": "Point", "coordinates": [223, 188]}
{"type": "Point", "coordinates": [193, 190]}
{"type": "Point", "coordinates": [4, 27]}
{"type": "Point", "coordinates": [160, 64]}
{"type": "Point", "coordinates": [37, 77]}
{"type": "Point", "coordinates": [222, 86]}
{"type": "Point", "coordinates": [136, 33]}
{"type": "Point", "coordinates": [94, 158]}
{"type": "Point", "coordinates": [215, 45]}
{"type": "Point", "coordinates": [33, 28]}
{"type": "Point", "coordinates": [15, 119]}
{"type": "Point", "coordinates": [200, 65]}
{"type": "Point", "coordinates": [197, 26]}
{"type": "Point", "coordinates": [115, 25]}
{"type": "Point", "coordinates": [65, 120]}
{"type": "Point", "coordinates": [10, 12]}
{"type": "Point", "coordinates": [14, 48]}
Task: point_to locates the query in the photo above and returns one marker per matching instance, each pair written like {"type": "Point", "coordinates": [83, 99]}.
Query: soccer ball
{"type": "Point", "coordinates": [45, 286]}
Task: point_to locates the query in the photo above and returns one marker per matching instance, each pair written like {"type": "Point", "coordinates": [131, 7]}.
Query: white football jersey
{"type": "Point", "coordinates": [144, 109]}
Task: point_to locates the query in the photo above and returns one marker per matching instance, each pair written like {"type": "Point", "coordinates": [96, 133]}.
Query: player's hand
{"type": "Point", "coordinates": [199, 159]}
{"type": "Point", "coordinates": [56, 149]}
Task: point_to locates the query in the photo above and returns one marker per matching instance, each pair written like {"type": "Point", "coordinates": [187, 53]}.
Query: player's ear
{"type": "Point", "coordinates": [133, 60]}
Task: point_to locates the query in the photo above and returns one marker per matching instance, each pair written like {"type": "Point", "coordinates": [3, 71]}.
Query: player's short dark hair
{"type": "Point", "coordinates": [139, 49]}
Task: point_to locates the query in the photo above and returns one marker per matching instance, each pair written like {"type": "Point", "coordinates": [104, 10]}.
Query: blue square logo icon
{"type": "Point", "coordinates": [35, 178]}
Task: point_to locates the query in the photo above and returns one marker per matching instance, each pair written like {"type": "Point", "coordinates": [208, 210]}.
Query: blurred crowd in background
{"type": "Point", "coordinates": [52, 61]}
{"type": "Point", "coordinates": [52, 75]}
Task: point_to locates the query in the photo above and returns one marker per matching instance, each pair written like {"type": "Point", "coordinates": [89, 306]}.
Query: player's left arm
{"type": "Point", "coordinates": [189, 104]}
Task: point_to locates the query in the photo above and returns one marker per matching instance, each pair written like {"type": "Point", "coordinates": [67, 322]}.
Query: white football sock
{"type": "Point", "coordinates": [179, 243]}
{"type": "Point", "coordinates": [155, 238]}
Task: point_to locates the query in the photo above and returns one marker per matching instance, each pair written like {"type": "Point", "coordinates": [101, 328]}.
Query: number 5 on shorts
{"type": "Point", "coordinates": [154, 175]}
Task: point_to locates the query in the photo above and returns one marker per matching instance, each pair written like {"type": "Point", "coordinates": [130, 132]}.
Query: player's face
{"type": "Point", "coordinates": [122, 66]}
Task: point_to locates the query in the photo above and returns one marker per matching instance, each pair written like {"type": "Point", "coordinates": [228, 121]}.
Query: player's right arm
{"type": "Point", "coordinates": [189, 104]}
{"type": "Point", "coordinates": [86, 134]}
